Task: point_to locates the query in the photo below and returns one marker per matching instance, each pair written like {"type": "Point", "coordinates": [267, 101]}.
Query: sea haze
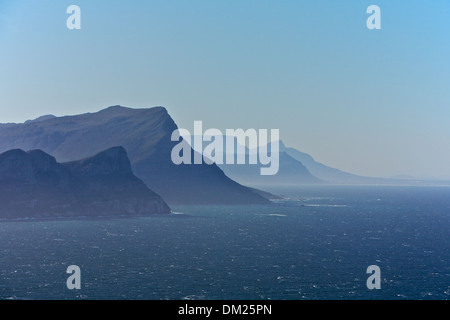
{"type": "Point", "coordinates": [315, 245]}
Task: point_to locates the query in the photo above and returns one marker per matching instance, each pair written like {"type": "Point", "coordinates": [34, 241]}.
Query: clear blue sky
{"type": "Point", "coordinates": [370, 102]}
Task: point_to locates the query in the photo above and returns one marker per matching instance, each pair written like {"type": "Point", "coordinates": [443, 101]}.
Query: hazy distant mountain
{"type": "Point", "coordinates": [34, 185]}
{"type": "Point", "coordinates": [146, 135]}
{"type": "Point", "coordinates": [336, 176]}
{"type": "Point", "coordinates": [298, 168]}
{"type": "Point", "coordinates": [291, 172]}
{"type": "Point", "coordinates": [322, 171]}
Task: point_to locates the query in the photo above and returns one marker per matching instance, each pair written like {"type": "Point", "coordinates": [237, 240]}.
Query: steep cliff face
{"type": "Point", "coordinates": [34, 185]}
{"type": "Point", "coordinates": [111, 171]}
{"type": "Point", "coordinates": [146, 136]}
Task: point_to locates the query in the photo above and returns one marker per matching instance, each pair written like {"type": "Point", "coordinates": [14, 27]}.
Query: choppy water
{"type": "Point", "coordinates": [317, 245]}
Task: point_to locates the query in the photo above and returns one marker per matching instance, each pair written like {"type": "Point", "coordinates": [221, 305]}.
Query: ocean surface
{"type": "Point", "coordinates": [315, 245]}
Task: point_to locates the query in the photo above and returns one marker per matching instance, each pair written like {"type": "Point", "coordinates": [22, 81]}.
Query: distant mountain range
{"type": "Point", "coordinates": [335, 176]}
{"type": "Point", "coordinates": [146, 136]}
{"type": "Point", "coordinates": [34, 185]}
{"type": "Point", "coordinates": [291, 172]}
{"type": "Point", "coordinates": [324, 173]}
{"type": "Point", "coordinates": [299, 168]}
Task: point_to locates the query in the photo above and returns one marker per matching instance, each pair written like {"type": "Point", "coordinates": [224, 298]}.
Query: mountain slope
{"type": "Point", "coordinates": [329, 174]}
{"type": "Point", "coordinates": [146, 136]}
{"type": "Point", "coordinates": [291, 172]}
{"type": "Point", "coordinates": [318, 169]}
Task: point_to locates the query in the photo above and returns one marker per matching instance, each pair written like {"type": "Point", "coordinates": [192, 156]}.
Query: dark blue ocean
{"type": "Point", "coordinates": [317, 245]}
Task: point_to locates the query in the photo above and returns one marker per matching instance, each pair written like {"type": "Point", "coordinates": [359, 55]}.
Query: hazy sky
{"type": "Point", "coordinates": [372, 102]}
